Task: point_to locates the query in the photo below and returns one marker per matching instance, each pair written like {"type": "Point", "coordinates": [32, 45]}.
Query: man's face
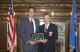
{"type": "Point", "coordinates": [31, 13]}
{"type": "Point", "coordinates": [47, 19]}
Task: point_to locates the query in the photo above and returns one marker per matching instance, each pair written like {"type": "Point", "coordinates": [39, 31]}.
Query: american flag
{"type": "Point", "coordinates": [11, 29]}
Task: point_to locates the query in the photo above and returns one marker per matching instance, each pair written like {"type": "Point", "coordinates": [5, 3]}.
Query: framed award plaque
{"type": "Point", "coordinates": [38, 37]}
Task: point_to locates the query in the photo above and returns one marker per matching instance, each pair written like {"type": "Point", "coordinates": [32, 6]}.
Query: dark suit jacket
{"type": "Point", "coordinates": [26, 31]}
{"type": "Point", "coordinates": [50, 45]}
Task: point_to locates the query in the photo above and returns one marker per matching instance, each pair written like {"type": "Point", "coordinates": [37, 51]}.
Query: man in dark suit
{"type": "Point", "coordinates": [28, 26]}
{"type": "Point", "coordinates": [50, 33]}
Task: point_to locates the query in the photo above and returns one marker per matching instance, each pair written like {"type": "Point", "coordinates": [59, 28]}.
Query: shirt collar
{"type": "Point", "coordinates": [47, 24]}
{"type": "Point", "coordinates": [31, 19]}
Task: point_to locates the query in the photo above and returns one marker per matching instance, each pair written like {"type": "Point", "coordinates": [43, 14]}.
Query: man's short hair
{"type": "Point", "coordinates": [32, 8]}
{"type": "Point", "coordinates": [47, 14]}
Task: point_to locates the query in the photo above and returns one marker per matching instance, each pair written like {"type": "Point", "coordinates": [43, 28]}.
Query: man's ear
{"type": "Point", "coordinates": [50, 19]}
{"type": "Point", "coordinates": [35, 13]}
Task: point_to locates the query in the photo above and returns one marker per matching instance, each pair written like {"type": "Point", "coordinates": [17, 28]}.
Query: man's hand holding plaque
{"type": "Point", "coordinates": [45, 41]}
{"type": "Point", "coordinates": [32, 42]}
{"type": "Point", "coordinates": [38, 37]}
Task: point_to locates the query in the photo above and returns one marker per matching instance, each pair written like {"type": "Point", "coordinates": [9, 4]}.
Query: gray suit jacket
{"type": "Point", "coordinates": [26, 31]}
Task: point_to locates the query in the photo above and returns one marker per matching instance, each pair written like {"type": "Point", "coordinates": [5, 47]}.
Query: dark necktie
{"type": "Point", "coordinates": [32, 25]}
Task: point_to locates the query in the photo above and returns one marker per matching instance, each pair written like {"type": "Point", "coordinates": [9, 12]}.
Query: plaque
{"type": "Point", "coordinates": [38, 37]}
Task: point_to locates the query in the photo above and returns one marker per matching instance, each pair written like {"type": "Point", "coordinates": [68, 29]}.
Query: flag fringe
{"type": "Point", "coordinates": [73, 47]}
{"type": "Point", "coordinates": [12, 46]}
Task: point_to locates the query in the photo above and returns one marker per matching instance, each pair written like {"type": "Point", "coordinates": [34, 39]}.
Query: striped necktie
{"type": "Point", "coordinates": [46, 28]}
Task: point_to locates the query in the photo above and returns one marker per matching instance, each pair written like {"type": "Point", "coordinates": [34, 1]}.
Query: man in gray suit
{"type": "Point", "coordinates": [28, 26]}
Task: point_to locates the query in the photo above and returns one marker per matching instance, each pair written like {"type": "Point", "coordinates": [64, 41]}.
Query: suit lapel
{"type": "Point", "coordinates": [49, 26]}
{"type": "Point", "coordinates": [29, 24]}
{"type": "Point", "coordinates": [43, 28]}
